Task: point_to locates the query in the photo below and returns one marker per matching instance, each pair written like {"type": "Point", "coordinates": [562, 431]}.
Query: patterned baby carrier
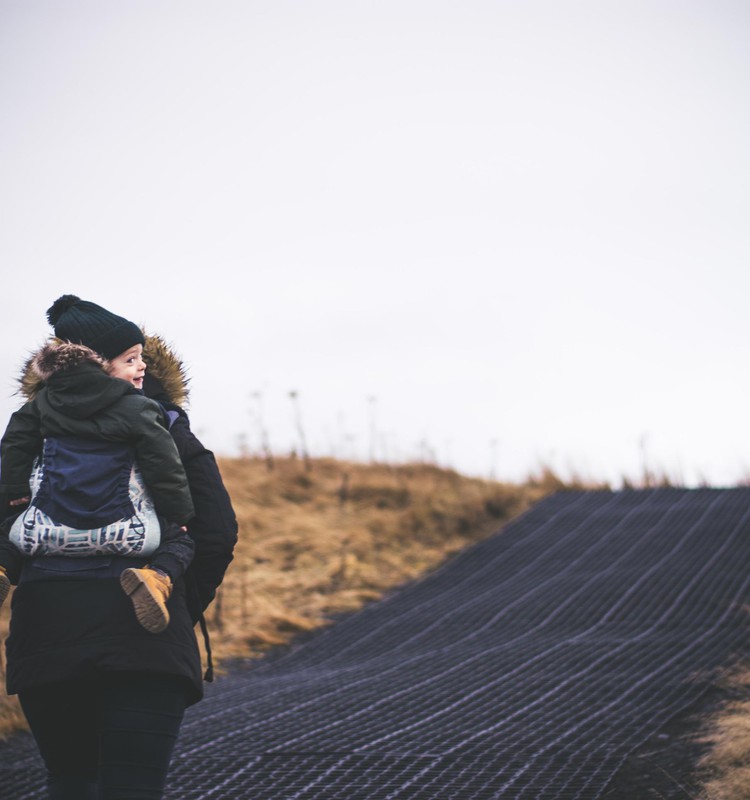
{"type": "Point", "coordinates": [87, 498]}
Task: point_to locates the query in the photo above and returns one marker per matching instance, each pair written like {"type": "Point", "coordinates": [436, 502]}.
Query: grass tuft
{"type": "Point", "coordinates": [727, 763]}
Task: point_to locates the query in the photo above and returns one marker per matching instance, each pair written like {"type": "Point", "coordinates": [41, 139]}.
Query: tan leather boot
{"type": "Point", "coordinates": [4, 585]}
{"type": "Point", "coordinates": [149, 591]}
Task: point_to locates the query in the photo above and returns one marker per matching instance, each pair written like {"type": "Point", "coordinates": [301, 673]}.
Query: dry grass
{"type": "Point", "coordinates": [11, 716]}
{"type": "Point", "coordinates": [315, 543]}
{"type": "Point", "coordinates": [320, 542]}
{"type": "Point", "coordinates": [728, 761]}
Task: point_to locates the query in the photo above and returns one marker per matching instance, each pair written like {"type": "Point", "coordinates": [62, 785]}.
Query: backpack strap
{"type": "Point", "coordinates": [209, 674]}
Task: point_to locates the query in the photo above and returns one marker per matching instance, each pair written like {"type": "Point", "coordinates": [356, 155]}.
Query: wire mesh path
{"type": "Point", "coordinates": [528, 667]}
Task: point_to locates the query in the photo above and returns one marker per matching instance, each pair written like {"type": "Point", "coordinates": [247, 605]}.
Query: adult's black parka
{"type": "Point", "coordinates": [66, 625]}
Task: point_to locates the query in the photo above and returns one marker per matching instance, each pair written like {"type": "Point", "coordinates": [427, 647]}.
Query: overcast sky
{"type": "Point", "coordinates": [502, 232]}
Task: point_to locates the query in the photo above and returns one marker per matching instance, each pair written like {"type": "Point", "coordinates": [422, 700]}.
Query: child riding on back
{"type": "Point", "coordinates": [93, 457]}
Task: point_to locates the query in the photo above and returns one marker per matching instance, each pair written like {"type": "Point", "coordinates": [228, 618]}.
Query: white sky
{"type": "Point", "coordinates": [522, 222]}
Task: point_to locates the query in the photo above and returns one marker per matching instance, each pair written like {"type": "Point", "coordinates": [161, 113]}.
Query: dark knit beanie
{"type": "Point", "coordinates": [82, 322]}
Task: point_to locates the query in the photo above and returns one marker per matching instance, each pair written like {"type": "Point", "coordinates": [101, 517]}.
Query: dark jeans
{"type": "Point", "coordinates": [107, 737]}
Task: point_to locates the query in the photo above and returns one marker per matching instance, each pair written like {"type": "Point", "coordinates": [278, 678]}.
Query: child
{"type": "Point", "coordinates": [90, 424]}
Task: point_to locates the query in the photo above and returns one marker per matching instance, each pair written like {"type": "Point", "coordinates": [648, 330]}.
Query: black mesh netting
{"type": "Point", "coordinates": [527, 667]}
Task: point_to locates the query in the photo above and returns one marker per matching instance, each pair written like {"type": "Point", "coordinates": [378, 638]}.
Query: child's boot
{"type": "Point", "coordinates": [4, 585]}
{"type": "Point", "coordinates": [149, 590]}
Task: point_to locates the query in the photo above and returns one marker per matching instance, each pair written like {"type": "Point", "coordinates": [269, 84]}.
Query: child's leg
{"type": "Point", "coordinates": [11, 559]}
{"type": "Point", "coordinates": [174, 553]}
{"type": "Point", "coordinates": [150, 588]}
{"type": "Point", "coordinates": [149, 591]}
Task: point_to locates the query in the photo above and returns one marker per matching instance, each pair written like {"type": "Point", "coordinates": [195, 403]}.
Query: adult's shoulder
{"type": "Point", "coordinates": [187, 442]}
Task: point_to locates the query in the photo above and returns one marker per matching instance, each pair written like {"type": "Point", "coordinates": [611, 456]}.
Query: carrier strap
{"type": "Point", "coordinates": [209, 675]}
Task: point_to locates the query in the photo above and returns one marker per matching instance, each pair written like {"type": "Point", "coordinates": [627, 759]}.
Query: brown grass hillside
{"type": "Point", "coordinates": [317, 542]}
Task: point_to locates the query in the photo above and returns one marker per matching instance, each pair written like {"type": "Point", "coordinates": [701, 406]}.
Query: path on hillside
{"type": "Point", "coordinates": [528, 667]}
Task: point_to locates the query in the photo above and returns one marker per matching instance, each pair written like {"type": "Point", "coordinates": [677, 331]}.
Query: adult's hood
{"type": "Point", "coordinates": [166, 378]}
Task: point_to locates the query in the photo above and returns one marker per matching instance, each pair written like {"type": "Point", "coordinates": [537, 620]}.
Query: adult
{"type": "Point", "coordinates": [105, 698]}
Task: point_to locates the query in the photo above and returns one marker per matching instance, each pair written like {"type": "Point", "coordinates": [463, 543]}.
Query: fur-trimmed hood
{"type": "Point", "coordinates": [56, 357]}
{"type": "Point", "coordinates": [166, 376]}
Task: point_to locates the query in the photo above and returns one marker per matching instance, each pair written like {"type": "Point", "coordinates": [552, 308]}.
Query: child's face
{"type": "Point", "coordinates": [129, 366]}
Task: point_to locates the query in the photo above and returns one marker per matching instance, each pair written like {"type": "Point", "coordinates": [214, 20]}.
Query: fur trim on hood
{"type": "Point", "coordinates": [162, 364]}
{"type": "Point", "coordinates": [165, 366]}
{"type": "Point", "coordinates": [54, 358]}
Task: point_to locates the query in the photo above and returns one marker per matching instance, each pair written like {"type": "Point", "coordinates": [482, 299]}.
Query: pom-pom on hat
{"type": "Point", "coordinates": [82, 322]}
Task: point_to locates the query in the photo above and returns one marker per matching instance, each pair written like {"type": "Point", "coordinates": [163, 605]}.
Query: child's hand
{"type": "Point", "coordinates": [20, 501]}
